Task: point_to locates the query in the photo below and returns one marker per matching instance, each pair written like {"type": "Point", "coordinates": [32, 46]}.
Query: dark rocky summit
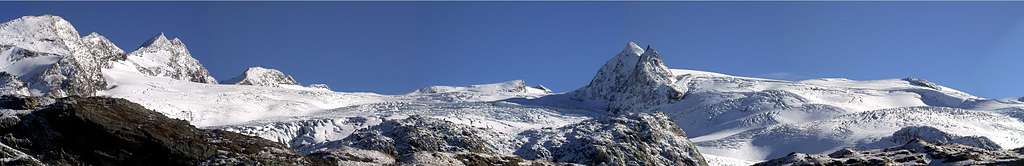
{"type": "Point", "coordinates": [106, 131]}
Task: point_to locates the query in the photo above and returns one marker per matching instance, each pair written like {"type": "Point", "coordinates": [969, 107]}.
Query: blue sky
{"type": "Point", "coordinates": [395, 47]}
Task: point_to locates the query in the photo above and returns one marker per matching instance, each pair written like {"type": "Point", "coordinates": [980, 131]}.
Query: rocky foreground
{"type": "Point", "coordinates": [914, 152]}
{"type": "Point", "coordinates": [110, 131]}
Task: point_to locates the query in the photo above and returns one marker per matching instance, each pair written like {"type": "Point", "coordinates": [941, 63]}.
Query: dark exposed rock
{"type": "Point", "coordinates": [922, 83]}
{"type": "Point", "coordinates": [467, 158]}
{"type": "Point", "coordinates": [417, 134]}
{"type": "Point", "coordinates": [632, 139]}
{"type": "Point", "coordinates": [11, 85]}
{"type": "Point", "coordinates": [18, 103]}
{"type": "Point", "coordinates": [914, 152]}
{"type": "Point", "coordinates": [936, 136]}
{"type": "Point", "coordinates": [350, 156]}
{"type": "Point", "coordinates": [416, 140]}
{"type": "Point", "coordinates": [106, 131]}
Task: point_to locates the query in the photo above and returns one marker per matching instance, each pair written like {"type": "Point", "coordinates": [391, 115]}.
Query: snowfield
{"type": "Point", "coordinates": [735, 120]}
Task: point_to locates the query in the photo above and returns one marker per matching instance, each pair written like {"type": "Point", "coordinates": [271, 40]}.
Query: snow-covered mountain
{"type": "Point", "coordinates": [260, 76]}
{"type": "Point", "coordinates": [169, 58]}
{"type": "Point", "coordinates": [729, 119]}
{"type": "Point", "coordinates": [633, 80]}
{"type": "Point", "coordinates": [48, 55]}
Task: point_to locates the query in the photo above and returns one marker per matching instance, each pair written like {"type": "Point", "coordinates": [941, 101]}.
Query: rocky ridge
{"type": "Point", "coordinates": [914, 152]}
{"type": "Point", "coordinates": [106, 131]}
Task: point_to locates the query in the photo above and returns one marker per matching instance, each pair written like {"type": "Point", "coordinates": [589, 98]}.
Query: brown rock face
{"type": "Point", "coordinates": [106, 131]}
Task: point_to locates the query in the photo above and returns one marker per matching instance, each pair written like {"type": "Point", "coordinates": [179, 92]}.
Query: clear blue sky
{"type": "Point", "coordinates": [395, 47]}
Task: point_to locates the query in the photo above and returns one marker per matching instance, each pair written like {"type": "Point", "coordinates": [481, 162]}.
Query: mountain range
{"type": "Point", "coordinates": [635, 111]}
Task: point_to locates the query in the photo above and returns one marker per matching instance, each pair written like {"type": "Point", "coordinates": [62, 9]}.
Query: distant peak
{"type": "Point", "coordinates": [94, 35]}
{"type": "Point", "coordinates": [158, 39]}
{"type": "Point", "coordinates": [47, 17]}
{"type": "Point", "coordinates": [260, 76]}
{"type": "Point", "coordinates": [44, 26]}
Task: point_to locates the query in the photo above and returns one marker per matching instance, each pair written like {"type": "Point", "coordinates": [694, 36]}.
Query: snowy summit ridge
{"type": "Point", "coordinates": [169, 58]}
{"type": "Point", "coordinates": [260, 76]}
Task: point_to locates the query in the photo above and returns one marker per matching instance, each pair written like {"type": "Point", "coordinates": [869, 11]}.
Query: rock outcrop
{"type": "Point", "coordinates": [936, 136]}
{"type": "Point", "coordinates": [914, 152]}
{"type": "Point", "coordinates": [106, 131]}
{"type": "Point", "coordinates": [633, 139]}
{"type": "Point", "coordinates": [416, 140]}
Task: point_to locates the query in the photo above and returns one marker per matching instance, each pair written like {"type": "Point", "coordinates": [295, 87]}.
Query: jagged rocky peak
{"type": "Point", "coordinates": [53, 60]}
{"type": "Point", "coordinates": [610, 77]}
{"type": "Point", "coordinates": [169, 58]}
{"type": "Point", "coordinates": [650, 70]}
{"type": "Point", "coordinates": [102, 49]}
{"type": "Point", "coordinates": [632, 80]}
{"type": "Point", "coordinates": [260, 76]}
{"type": "Point", "coordinates": [158, 40]}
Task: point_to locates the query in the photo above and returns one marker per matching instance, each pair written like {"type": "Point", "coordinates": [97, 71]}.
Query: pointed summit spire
{"type": "Point", "coordinates": [613, 75]}
{"type": "Point", "coordinates": [651, 69]}
{"type": "Point", "coordinates": [632, 80]}
{"type": "Point", "coordinates": [632, 49]}
{"type": "Point", "coordinates": [158, 39]}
